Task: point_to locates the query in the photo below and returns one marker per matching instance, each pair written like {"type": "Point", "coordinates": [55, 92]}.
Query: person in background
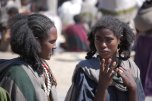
{"type": "Point", "coordinates": [68, 10]}
{"type": "Point", "coordinates": [89, 13]}
{"type": "Point", "coordinates": [124, 10]}
{"type": "Point", "coordinates": [75, 36]}
{"type": "Point", "coordinates": [5, 41]}
{"type": "Point", "coordinates": [143, 46]}
{"type": "Point", "coordinates": [29, 77]}
{"type": "Point", "coordinates": [107, 74]}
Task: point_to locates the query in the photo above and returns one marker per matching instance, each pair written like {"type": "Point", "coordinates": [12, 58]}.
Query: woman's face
{"type": "Point", "coordinates": [48, 44]}
{"type": "Point", "coordinates": [106, 43]}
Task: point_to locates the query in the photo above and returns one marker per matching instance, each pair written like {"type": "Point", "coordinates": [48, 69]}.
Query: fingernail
{"type": "Point", "coordinates": [120, 71]}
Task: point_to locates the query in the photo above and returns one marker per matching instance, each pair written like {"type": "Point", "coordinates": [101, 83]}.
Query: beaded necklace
{"type": "Point", "coordinates": [49, 79]}
{"type": "Point", "coordinates": [47, 86]}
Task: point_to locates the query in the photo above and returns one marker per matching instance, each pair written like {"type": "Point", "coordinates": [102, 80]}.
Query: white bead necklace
{"type": "Point", "coordinates": [47, 86]}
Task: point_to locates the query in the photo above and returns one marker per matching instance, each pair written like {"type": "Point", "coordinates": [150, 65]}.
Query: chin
{"type": "Point", "coordinates": [47, 58]}
{"type": "Point", "coordinates": [104, 55]}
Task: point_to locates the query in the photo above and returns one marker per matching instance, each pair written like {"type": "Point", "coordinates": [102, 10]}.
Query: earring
{"type": "Point", "coordinates": [124, 55]}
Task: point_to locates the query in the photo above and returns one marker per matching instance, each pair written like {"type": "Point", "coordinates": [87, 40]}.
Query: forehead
{"type": "Point", "coordinates": [104, 32]}
{"type": "Point", "coordinates": [52, 33]}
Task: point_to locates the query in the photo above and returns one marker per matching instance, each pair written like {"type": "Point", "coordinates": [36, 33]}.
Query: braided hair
{"type": "Point", "coordinates": [25, 30]}
{"type": "Point", "coordinates": [121, 30]}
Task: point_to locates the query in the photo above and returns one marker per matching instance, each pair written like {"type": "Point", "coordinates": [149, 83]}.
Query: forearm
{"type": "Point", "coordinates": [100, 94]}
{"type": "Point", "coordinates": [133, 95]}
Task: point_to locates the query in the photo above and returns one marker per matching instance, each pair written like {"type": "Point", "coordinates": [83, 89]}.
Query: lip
{"type": "Point", "coordinates": [51, 54]}
{"type": "Point", "coordinates": [103, 51]}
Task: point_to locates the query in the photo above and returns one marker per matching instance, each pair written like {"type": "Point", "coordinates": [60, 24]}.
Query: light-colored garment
{"type": "Point", "coordinates": [124, 10]}
{"type": "Point", "coordinates": [143, 20]}
{"type": "Point", "coordinates": [148, 98]}
{"type": "Point", "coordinates": [4, 95]}
{"type": "Point", "coordinates": [86, 77]}
{"type": "Point", "coordinates": [89, 12]}
{"type": "Point", "coordinates": [116, 5]}
{"type": "Point", "coordinates": [23, 83]}
{"type": "Point", "coordinates": [67, 11]}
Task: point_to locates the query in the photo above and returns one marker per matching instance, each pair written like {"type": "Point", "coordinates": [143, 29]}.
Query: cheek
{"type": "Point", "coordinates": [45, 49]}
{"type": "Point", "coordinates": [113, 48]}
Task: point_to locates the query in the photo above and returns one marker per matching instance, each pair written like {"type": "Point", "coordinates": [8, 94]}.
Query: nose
{"type": "Point", "coordinates": [103, 45]}
{"type": "Point", "coordinates": [54, 46]}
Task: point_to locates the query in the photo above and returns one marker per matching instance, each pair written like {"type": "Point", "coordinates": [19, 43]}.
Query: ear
{"type": "Point", "coordinates": [119, 43]}
{"type": "Point", "coordinates": [120, 39]}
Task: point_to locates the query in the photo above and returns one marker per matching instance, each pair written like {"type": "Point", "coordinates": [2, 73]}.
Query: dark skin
{"type": "Point", "coordinates": [106, 44]}
{"type": "Point", "coordinates": [48, 44]}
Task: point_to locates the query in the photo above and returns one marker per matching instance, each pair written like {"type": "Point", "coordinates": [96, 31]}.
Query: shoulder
{"type": "Point", "coordinates": [130, 64]}
{"type": "Point", "coordinates": [89, 63]}
{"type": "Point", "coordinates": [17, 75]}
{"type": "Point", "coordinates": [7, 63]}
{"type": "Point", "coordinates": [89, 68]}
{"type": "Point", "coordinates": [16, 79]}
{"type": "Point", "coordinates": [133, 65]}
{"type": "Point", "coordinates": [14, 70]}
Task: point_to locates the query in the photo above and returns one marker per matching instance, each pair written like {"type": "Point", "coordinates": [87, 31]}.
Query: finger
{"type": "Point", "coordinates": [108, 65]}
{"type": "Point", "coordinates": [116, 70]}
{"type": "Point", "coordinates": [114, 65]}
{"type": "Point", "coordinates": [121, 73]}
{"type": "Point", "coordinates": [123, 69]}
{"type": "Point", "coordinates": [126, 71]}
{"type": "Point", "coordinates": [111, 71]}
{"type": "Point", "coordinates": [102, 66]}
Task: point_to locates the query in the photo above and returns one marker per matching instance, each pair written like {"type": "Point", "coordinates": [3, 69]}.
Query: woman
{"type": "Point", "coordinates": [143, 48]}
{"type": "Point", "coordinates": [75, 36]}
{"type": "Point", "coordinates": [107, 74]}
{"type": "Point", "coordinates": [28, 77]}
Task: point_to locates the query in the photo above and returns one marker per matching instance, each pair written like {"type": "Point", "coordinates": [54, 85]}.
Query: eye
{"type": "Point", "coordinates": [52, 41]}
{"type": "Point", "coordinates": [108, 40]}
{"type": "Point", "coordinates": [97, 38]}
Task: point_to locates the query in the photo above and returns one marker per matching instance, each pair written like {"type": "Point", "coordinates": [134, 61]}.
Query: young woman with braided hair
{"type": "Point", "coordinates": [107, 74]}
{"type": "Point", "coordinates": [28, 77]}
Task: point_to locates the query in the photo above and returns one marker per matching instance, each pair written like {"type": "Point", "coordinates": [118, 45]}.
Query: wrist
{"type": "Point", "coordinates": [102, 86]}
{"type": "Point", "coordinates": [132, 88]}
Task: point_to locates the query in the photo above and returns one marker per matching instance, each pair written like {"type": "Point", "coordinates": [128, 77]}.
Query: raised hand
{"type": "Point", "coordinates": [106, 73]}
{"type": "Point", "coordinates": [127, 78]}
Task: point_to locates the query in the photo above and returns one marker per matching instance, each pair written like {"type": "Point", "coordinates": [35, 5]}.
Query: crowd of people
{"type": "Point", "coordinates": [108, 31]}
